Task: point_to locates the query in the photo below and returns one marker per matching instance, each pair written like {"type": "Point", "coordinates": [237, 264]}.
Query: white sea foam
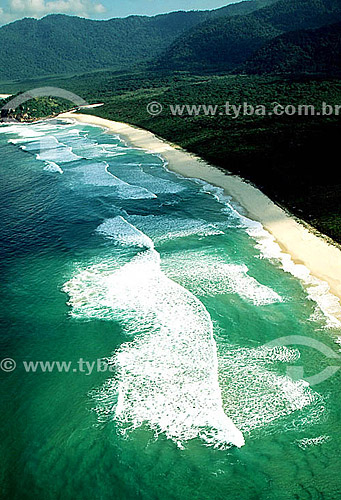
{"type": "Point", "coordinates": [53, 167]}
{"type": "Point", "coordinates": [97, 174]}
{"type": "Point", "coordinates": [164, 228]}
{"type": "Point", "coordinates": [60, 153]}
{"type": "Point", "coordinates": [96, 151]}
{"type": "Point", "coordinates": [167, 376]}
{"type": "Point", "coordinates": [318, 290]}
{"type": "Point", "coordinates": [124, 233]}
{"type": "Point", "coordinates": [117, 148]}
{"type": "Point", "coordinates": [328, 305]}
{"type": "Point", "coordinates": [47, 146]}
{"type": "Point", "coordinates": [89, 148]}
{"type": "Point", "coordinates": [26, 140]}
{"type": "Point", "coordinates": [45, 143]}
{"type": "Point", "coordinates": [316, 441]}
{"type": "Point", "coordinates": [24, 131]}
{"type": "Point", "coordinates": [207, 274]}
{"type": "Point", "coordinates": [256, 396]}
{"type": "Point", "coordinates": [136, 175]}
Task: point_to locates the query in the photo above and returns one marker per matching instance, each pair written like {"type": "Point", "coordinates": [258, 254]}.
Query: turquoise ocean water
{"type": "Point", "coordinates": [173, 296]}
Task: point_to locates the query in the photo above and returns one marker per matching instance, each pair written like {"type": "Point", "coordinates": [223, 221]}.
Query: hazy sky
{"type": "Point", "coordinates": [11, 10]}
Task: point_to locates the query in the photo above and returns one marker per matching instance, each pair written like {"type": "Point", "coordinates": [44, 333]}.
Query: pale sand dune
{"type": "Point", "coordinates": [322, 258]}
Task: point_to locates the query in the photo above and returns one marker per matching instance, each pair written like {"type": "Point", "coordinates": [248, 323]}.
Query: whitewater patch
{"type": "Point", "coordinates": [60, 153]}
{"type": "Point", "coordinates": [124, 233]}
{"type": "Point", "coordinates": [97, 174]}
{"type": "Point", "coordinates": [33, 131]}
{"type": "Point", "coordinates": [44, 143]}
{"type": "Point", "coordinates": [137, 176]}
{"type": "Point", "coordinates": [53, 167]}
{"type": "Point", "coordinates": [46, 147]}
{"type": "Point", "coordinates": [163, 228]}
{"type": "Point", "coordinates": [24, 131]}
{"type": "Point", "coordinates": [167, 376]}
{"type": "Point", "coordinates": [207, 274]}
{"type": "Point", "coordinates": [98, 150]}
{"type": "Point", "coordinates": [257, 397]}
{"type": "Point", "coordinates": [328, 305]}
{"type": "Point", "coordinates": [86, 147]}
{"type": "Point", "coordinates": [307, 442]}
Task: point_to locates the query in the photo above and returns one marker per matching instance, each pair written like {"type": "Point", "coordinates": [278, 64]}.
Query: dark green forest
{"type": "Point", "coordinates": [303, 51]}
{"type": "Point", "coordinates": [225, 43]}
{"type": "Point", "coordinates": [195, 41]}
{"type": "Point", "coordinates": [34, 109]}
{"type": "Point", "coordinates": [61, 44]}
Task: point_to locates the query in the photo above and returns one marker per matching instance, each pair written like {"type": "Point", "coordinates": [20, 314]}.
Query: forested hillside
{"type": "Point", "coordinates": [223, 43]}
{"type": "Point", "coordinates": [304, 51]}
{"type": "Point", "coordinates": [60, 44]}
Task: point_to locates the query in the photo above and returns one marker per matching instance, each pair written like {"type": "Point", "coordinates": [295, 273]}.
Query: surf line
{"type": "Point", "coordinates": [167, 376]}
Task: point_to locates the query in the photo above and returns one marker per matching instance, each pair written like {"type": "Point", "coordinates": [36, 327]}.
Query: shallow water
{"type": "Point", "coordinates": [106, 255]}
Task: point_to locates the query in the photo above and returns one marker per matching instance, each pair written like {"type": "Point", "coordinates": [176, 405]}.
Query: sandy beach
{"type": "Point", "coordinates": [314, 251]}
{"type": "Point", "coordinates": [4, 96]}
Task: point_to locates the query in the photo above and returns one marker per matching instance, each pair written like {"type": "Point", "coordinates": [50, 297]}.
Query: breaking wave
{"type": "Point", "coordinates": [167, 376]}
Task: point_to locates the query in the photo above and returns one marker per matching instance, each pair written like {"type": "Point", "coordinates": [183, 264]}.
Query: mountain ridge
{"type": "Point", "coordinates": [224, 43]}
{"type": "Point", "coordinates": [61, 44]}
{"type": "Point", "coordinates": [303, 51]}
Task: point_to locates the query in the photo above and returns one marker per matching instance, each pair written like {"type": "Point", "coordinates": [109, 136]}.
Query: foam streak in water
{"type": "Point", "coordinates": [167, 376]}
{"type": "Point", "coordinates": [97, 174]}
{"type": "Point", "coordinates": [124, 233]}
{"type": "Point", "coordinates": [211, 275]}
{"type": "Point", "coordinates": [53, 167]}
{"type": "Point", "coordinates": [328, 304]}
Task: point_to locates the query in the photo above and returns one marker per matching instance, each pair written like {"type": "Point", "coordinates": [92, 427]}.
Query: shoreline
{"type": "Point", "coordinates": [305, 247]}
